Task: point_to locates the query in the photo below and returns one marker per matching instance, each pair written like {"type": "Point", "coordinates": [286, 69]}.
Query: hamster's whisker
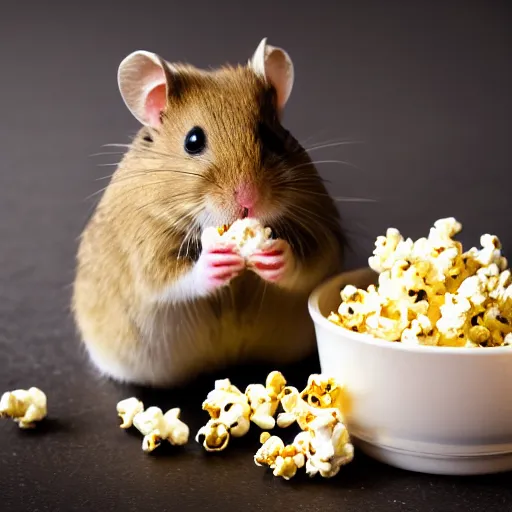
{"type": "Point", "coordinates": [341, 199]}
{"type": "Point", "coordinates": [311, 139]}
{"type": "Point", "coordinates": [306, 192]}
{"type": "Point", "coordinates": [128, 146]}
{"type": "Point", "coordinates": [333, 144]}
{"type": "Point", "coordinates": [316, 162]}
{"type": "Point", "coordinates": [103, 153]}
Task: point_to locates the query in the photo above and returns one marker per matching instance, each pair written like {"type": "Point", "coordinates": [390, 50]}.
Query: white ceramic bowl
{"type": "Point", "coordinates": [429, 409]}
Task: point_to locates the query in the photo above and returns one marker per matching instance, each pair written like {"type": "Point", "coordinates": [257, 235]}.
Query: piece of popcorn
{"type": "Point", "coordinates": [236, 420]}
{"type": "Point", "coordinates": [302, 443]}
{"type": "Point", "coordinates": [230, 413]}
{"type": "Point", "coordinates": [214, 436]}
{"type": "Point", "coordinates": [127, 409]}
{"type": "Point", "coordinates": [150, 423]}
{"type": "Point", "coordinates": [442, 233]}
{"type": "Point", "coordinates": [324, 392]}
{"type": "Point", "coordinates": [421, 332]}
{"type": "Point", "coordinates": [356, 306]}
{"type": "Point", "coordinates": [499, 291]}
{"type": "Point", "coordinates": [269, 451]}
{"type": "Point", "coordinates": [287, 463]}
{"type": "Point", "coordinates": [491, 252]}
{"type": "Point", "coordinates": [283, 460]}
{"type": "Point", "coordinates": [248, 235]}
{"type": "Point", "coordinates": [264, 400]}
{"type": "Point", "coordinates": [295, 409]}
{"type": "Point", "coordinates": [473, 288]}
{"type": "Point", "coordinates": [25, 407]}
{"type": "Point", "coordinates": [275, 384]}
{"type": "Point", "coordinates": [388, 250]}
{"type": "Point", "coordinates": [331, 447]}
{"type": "Point", "coordinates": [454, 315]}
{"type": "Point", "coordinates": [387, 328]}
{"type": "Point", "coordinates": [261, 406]}
{"type": "Point", "coordinates": [178, 432]}
{"type": "Point", "coordinates": [442, 264]}
{"type": "Point", "coordinates": [223, 396]}
{"type": "Point", "coordinates": [157, 427]}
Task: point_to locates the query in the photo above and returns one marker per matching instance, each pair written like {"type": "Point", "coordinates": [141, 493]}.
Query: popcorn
{"type": "Point", "coordinates": [269, 451]}
{"type": "Point", "coordinates": [323, 446]}
{"type": "Point", "coordinates": [323, 391]}
{"type": "Point", "coordinates": [153, 424]}
{"type": "Point", "coordinates": [229, 412]}
{"type": "Point", "coordinates": [386, 253]}
{"type": "Point", "coordinates": [284, 460]}
{"type": "Point", "coordinates": [330, 446]}
{"type": "Point", "coordinates": [247, 234]}
{"type": "Point", "coordinates": [295, 409]}
{"type": "Point", "coordinates": [232, 411]}
{"type": "Point", "coordinates": [222, 397]}
{"type": "Point", "coordinates": [215, 436]}
{"type": "Point", "coordinates": [264, 400]}
{"type": "Point", "coordinates": [25, 407]}
{"type": "Point", "coordinates": [128, 409]}
{"type": "Point", "coordinates": [430, 292]}
{"type": "Point", "coordinates": [177, 431]}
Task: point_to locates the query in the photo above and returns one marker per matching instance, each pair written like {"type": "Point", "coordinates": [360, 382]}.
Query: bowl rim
{"type": "Point", "coordinates": [366, 339]}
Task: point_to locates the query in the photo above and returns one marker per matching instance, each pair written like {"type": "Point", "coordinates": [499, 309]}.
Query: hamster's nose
{"type": "Point", "coordinates": [246, 196]}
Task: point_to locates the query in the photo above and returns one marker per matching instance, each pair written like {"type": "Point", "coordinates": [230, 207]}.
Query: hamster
{"type": "Point", "coordinates": [153, 303]}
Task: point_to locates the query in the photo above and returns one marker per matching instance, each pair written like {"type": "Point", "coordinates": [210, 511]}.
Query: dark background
{"type": "Point", "coordinates": [425, 85]}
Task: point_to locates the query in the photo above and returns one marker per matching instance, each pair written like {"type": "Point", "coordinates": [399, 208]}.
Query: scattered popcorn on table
{"type": "Point", "coordinates": [153, 424]}
{"type": "Point", "coordinates": [248, 235]}
{"type": "Point", "coordinates": [25, 407]}
{"type": "Point", "coordinates": [430, 292]}
{"type": "Point", "coordinates": [231, 411]}
{"type": "Point", "coordinates": [323, 446]}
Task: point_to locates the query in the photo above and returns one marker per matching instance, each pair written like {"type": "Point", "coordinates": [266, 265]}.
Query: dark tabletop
{"type": "Point", "coordinates": [427, 90]}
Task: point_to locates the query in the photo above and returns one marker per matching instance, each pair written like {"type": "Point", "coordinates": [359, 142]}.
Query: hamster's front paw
{"type": "Point", "coordinates": [275, 263]}
{"type": "Point", "coordinates": [218, 265]}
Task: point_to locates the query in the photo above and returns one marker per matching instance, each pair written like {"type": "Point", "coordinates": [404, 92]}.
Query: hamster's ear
{"type": "Point", "coordinates": [144, 81]}
{"type": "Point", "coordinates": [276, 66]}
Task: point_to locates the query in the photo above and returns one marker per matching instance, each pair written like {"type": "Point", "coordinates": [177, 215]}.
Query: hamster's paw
{"type": "Point", "coordinates": [275, 263]}
{"type": "Point", "coordinates": [218, 265]}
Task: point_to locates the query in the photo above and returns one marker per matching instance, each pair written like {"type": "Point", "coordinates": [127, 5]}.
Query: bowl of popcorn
{"type": "Point", "coordinates": [421, 340]}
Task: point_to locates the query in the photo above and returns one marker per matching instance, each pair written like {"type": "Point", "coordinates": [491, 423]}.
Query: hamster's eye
{"type": "Point", "coordinates": [195, 141]}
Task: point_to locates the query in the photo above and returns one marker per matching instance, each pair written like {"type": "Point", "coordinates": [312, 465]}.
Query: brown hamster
{"type": "Point", "coordinates": [153, 303]}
